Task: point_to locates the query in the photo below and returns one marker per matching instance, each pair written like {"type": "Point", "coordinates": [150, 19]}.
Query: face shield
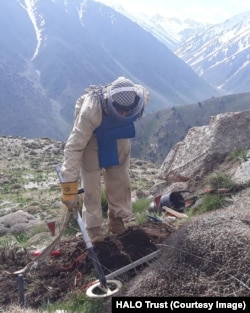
{"type": "Point", "coordinates": [125, 102]}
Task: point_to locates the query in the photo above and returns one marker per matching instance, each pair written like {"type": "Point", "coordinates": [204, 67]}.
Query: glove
{"type": "Point", "coordinates": [70, 195]}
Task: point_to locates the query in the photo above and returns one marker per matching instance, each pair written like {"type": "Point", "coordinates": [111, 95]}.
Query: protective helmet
{"type": "Point", "coordinates": [173, 200]}
{"type": "Point", "coordinates": [124, 99]}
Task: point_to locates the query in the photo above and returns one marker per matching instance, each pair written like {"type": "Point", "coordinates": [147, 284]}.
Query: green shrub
{"type": "Point", "coordinates": [209, 203]}
{"type": "Point", "coordinates": [104, 203]}
{"type": "Point", "coordinates": [78, 303]}
{"type": "Point", "coordinates": [241, 154]}
{"type": "Point", "coordinates": [140, 210]}
{"type": "Point", "coordinates": [21, 237]}
{"type": "Point", "coordinates": [219, 180]}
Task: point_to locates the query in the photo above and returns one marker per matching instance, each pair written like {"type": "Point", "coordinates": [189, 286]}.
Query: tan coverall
{"type": "Point", "coordinates": [81, 159]}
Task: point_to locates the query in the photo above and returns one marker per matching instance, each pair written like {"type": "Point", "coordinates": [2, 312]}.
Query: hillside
{"type": "Point", "coordinates": [219, 54]}
{"type": "Point", "coordinates": [63, 47]}
{"type": "Point", "coordinates": [30, 199]}
{"type": "Point", "coordinates": [158, 132]}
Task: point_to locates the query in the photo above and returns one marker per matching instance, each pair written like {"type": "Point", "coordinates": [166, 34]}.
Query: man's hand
{"type": "Point", "coordinates": [70, 195]}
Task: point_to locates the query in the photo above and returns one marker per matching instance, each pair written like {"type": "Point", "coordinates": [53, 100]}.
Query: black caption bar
{"type": "Point", "coordinates": [140, 304]}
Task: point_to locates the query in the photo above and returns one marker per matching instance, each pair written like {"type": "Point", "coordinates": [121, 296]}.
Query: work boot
{"type": "Point", "coordinates": [115, 224]}
{"type": "Point", "coordinates": [95, 234]}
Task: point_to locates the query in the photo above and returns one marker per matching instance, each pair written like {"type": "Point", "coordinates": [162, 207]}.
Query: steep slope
{"type": "Point", "coordinates": [218, 53]}
{"type": "Point", "coordinates": [158, 132]}
{"type": "Point", "coordinates": [171, 31]}
{"type": "Point", "coordinates": [221, 54]}
{"type": "Point", "coordinates": [57, 48]}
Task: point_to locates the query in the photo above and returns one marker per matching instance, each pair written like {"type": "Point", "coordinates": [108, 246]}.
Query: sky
{"type": "Point", "coordinates": [212, 11]}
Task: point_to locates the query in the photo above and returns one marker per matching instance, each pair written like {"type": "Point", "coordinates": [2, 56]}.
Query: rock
{"type": "Point", "coordinates": [17, 222]}
{"type": "Point", "coordinates": [242, 174]}
{"type": "Point", "coordinates": [40, 240]}
{"type": "Point", "coordinates": [207, 256]}
{"type": "Point", "coordinates": [33, 209]}
{"type": "Point", "coordinates": [205, 147]}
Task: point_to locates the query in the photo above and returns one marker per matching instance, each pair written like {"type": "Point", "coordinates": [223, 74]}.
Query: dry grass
{"type": "Point", "coordinates": [17, 309]}
{"type": "Point", "coordinates": [210, 256]}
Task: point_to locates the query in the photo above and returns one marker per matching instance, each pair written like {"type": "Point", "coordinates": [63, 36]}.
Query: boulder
{"type": "Point", "coordinates": [205, 147]}
{"type": "Point", "coordinates": [207, 256]}
{"type": "Point", "coordinates": [242, 174]}
{"type": "Point", "coordinates": [17, 222]}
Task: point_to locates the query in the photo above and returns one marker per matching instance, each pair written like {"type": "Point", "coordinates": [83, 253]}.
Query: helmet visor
{"type": "Point", "coordinates": [123, 109]}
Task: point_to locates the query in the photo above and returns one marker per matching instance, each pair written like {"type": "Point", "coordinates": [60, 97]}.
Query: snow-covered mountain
{"type": "Point", "coordinates": [218, 53]}
{"type": "Point", "coordinates": [221, 54]}
{"type": "Point", "coordinates": [51, 50]}
{"type": "Point", "coordinates": [169, 30]}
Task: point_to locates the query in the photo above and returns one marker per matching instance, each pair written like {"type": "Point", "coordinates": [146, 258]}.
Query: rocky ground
{"type": "Point", "coordinates": [30, 199]}
{"type": "Point", "coordinates": [58, 276]}
{"type": "Point", "coordinates": [28, 184]}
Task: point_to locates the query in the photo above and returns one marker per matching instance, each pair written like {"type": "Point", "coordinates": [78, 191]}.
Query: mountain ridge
{"type": "Point", "coordinates": [219, 53]}
{"type": "Point", "coordinates": [159, 131]}
{"type": "Point", "coordinates": [79, 44]}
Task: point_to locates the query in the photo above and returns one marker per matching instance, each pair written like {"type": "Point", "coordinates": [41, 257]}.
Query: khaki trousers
{"type": "Point", "coordinates": [116, 184]}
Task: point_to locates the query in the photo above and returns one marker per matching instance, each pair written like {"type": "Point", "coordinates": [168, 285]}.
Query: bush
{"type": "Point", "coordinates": [209, 203]}
{"type": "Point", "coordinates": [140, 209]}
{"type": "Point", "coordinates": [219, 180]}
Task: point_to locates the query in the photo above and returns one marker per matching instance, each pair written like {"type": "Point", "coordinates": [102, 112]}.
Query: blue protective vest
{"type": "Point", "coordinates": [107, 133]}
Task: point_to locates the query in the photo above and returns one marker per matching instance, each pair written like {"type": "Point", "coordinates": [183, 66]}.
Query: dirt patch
{"type": "Point", "coordinates": [72, 271]}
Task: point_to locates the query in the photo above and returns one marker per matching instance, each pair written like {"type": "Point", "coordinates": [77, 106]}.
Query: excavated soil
{"type": "Point", "coordinates": [72, 270]}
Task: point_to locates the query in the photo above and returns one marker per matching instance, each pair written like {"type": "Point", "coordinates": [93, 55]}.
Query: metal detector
{"type": "Point", "coordinates": [102, 288]}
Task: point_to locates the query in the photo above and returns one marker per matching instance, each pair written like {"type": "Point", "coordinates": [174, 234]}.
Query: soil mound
{"type": "Point", "coordinates": [72, 269]}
